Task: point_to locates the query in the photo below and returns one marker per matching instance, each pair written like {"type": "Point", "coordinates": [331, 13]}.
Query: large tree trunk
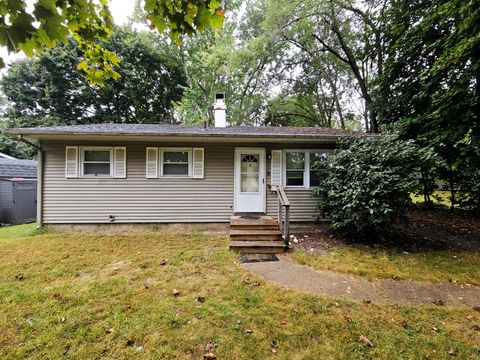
{"type": "Point", "coordinates": [451, 182]}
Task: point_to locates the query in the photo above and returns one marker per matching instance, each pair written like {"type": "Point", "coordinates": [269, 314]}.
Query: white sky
{"type": "Point", "coordinates": [121, 10]}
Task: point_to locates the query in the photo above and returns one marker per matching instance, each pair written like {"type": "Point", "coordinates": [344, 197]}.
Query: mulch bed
{"type": "Point", "coordinates": [425, 230]}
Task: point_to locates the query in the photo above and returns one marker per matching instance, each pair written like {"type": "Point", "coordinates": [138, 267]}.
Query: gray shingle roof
{"type": "Point", "coordinates": [10, 168]}
{"type": "Point", "coordinates": [180, 130]}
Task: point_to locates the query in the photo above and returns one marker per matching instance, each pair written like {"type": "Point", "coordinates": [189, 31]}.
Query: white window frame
{"type": "Point", "coordinates": [285, 152]}
{"type": "Point", "coordinates": [95, 148]}
{"type": "Point", "coordinates": [306, 170]}
{"type": "Point", "coordinates": [175, 149]}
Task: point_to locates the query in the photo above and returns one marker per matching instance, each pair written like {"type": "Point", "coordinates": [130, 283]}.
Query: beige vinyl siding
{"type": "Point", "coordinates": [136, 199]}
{"type": "Point", "coordinates": [302, 204]}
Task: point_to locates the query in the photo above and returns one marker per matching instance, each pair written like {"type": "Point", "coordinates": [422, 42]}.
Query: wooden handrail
{"type": "Point", "coordinates": [283, 213]}
{"type": "Point", "coordinates": [283, 196]}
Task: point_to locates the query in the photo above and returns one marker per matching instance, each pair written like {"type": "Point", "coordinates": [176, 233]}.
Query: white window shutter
{"type": "Point", "coordinates": [152, 163]}
{"type": "Point", "coordinates": [198, 163]}
{"type": "Point", "coordinates": [276, 168]}
{"type": "Point", "coordinates": [120, 162]}
{"type": "Point", "coordinates": [71, 161]}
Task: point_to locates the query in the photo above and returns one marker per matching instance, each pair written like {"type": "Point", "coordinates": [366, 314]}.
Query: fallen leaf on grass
{"type": "Point", "coordinates": [363, 339]}
{"type": "Point", "coordinates": [163, 262]}
{"type": "Point", "coordinates": [273, 344]}
{"type": "Point", "coordinates": [175, 292]}
{"type": "Point", "coordinates": [248, 331]}
{"type": "Point", "coordinates": [210, 347]}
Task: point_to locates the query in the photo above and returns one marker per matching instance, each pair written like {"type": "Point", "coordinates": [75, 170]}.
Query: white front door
{"type": "Point", "coordinates": [249, 180]}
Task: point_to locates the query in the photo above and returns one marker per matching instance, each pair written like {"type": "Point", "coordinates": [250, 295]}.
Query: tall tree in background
{"type": "Point", "coordinates": [432, 84]}
{"type": "Point", "coordinates": [50, 90]}
{"type": "Point", "coordinates": [343, 35]}
{"type": "Point", "coordinates": [52, 87]}
{"type": "Point", "coordinates": [236, 60]}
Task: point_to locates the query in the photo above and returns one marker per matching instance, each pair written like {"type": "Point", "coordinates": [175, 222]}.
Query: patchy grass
{"type": "Point", "coordinates": [18, 231]}
{"type": "Point", "coordinates": [440, 266]}
{"type": "Point", "coordinates": [107, 296]}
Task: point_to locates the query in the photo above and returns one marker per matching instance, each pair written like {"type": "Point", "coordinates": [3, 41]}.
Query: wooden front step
{"type": "Point", "coordinates": [255, 233]}
{"type": "Point", "coordinates": [264, 222]}
{"type": "Point", "coordinates": [253, 226]}
{"type": "Point", "coordinates": [257, 247]}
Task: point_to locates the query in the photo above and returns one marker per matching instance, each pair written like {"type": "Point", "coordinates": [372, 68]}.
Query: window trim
{"type": "Point", "coordinates": [95, 148]}
{"type": "Point", "coordinates": [306, 170]}
{"type": "Point", "coordinates": [162, 150]}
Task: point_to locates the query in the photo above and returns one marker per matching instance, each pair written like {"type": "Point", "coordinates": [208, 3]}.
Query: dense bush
{"type": "Point", "coordinates": [367, 182]}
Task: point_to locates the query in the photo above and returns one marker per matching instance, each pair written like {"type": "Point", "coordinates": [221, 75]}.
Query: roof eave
{"type": "Point", "coordinates": [57, 135]}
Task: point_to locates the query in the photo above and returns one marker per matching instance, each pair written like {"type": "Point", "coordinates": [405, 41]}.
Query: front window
{"type": "Point", "coordinates": [315, 175]}
{"type": "Point", "coordinates": [300, 168]}
{"type": "Point", "coordinates": [175, 162]}
{"type": "Point", "coordinates": [97, 162]}
{"type": "Point", "coordinates": [295, 168]}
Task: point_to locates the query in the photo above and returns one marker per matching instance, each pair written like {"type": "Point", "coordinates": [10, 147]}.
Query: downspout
{"type": "Point", "coordinates": [40, 187]}
{"type": "Point", "coordinates": [39, 179]}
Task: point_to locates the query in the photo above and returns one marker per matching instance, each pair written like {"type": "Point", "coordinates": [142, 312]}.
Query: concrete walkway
{"type": "Point", "coordinates": [294, 276]}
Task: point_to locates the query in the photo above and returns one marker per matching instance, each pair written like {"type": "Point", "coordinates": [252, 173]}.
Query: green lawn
{"type": "Point", "coordinates": [84, 296]}
{"type": "Point", "coordinates": [443, 266]}
{"type": "Point", "coordinates": [15, 232]}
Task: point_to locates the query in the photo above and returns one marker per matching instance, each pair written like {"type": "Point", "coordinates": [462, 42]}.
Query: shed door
{"type": "Point", "coordinates": [24, 201]}
{"type": "Point", "coordinates": [249, 180]}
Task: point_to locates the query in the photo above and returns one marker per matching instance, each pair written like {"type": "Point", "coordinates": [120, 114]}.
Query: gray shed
{"type": "Point", "coordinates": [18, 190]}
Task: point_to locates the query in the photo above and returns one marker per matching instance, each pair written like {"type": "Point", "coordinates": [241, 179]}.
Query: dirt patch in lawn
{"type": "Point", "coordinates": [427, 230]}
